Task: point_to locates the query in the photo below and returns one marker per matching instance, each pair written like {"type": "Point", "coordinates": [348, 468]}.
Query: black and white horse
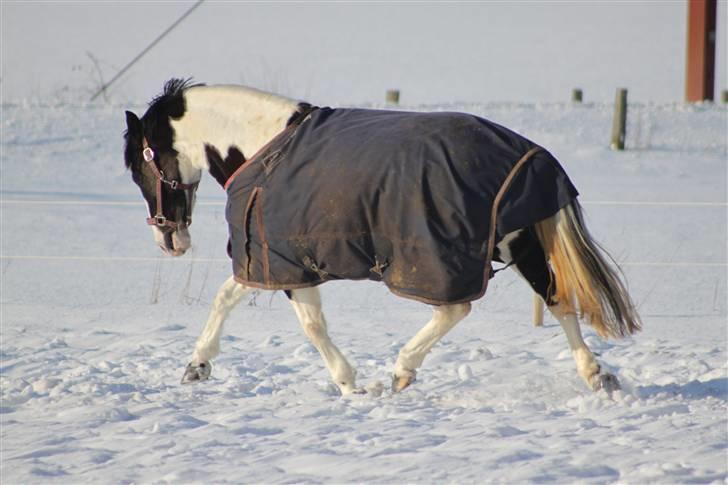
{"type": "Point", "coordinates": [190, 129]}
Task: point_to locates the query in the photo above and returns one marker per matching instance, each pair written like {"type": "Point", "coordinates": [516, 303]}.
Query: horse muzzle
{"type": "Point", "coordinates": [174, 242]}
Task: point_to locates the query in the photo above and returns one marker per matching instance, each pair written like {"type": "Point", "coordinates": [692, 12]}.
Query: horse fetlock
{"type": "Point", "coordinates": [347, 388]}
{"type": "Point", "coordinates": [205, 351]}
{"type": "Point", "coordinates": [345, 379]}
{"type": "Point", "coordinates": [592, 373]}
{"type": "Point", "coordinates": [402, 381]}
{"type": "Point", "coordinates": [586, 364]}
{"type": "Point", "coordinates": [197, 372]}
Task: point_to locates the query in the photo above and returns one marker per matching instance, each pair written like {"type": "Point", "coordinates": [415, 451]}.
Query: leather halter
{"type": "Point", "coordinates": [159, 218]}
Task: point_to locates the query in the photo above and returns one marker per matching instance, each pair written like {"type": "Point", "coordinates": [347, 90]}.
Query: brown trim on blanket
{"type": "Point", "coordinates": [489, 252]}
{"type": "Point", "coordinates": [494, 212]}
{"type": "Point", "coordinates": [246, 235]}
{"type": "Point", "coordinates": [491, 235]}
{"type": "Point", "coordinates": [261, 227]}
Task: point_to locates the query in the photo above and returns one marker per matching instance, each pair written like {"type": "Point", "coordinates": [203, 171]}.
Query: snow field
{"type": "Point", "coordinates": [97, 327]}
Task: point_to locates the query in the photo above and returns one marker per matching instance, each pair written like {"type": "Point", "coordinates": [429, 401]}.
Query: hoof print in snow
{"type": "Point", "coordinates": [195, 373]}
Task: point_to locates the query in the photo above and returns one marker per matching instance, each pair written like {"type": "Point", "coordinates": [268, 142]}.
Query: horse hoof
{"type": "Point", "coordinates": [607, 382]}
{"type": "Point", "coordinates": [195, 373]}
{"type": "Point", "coordinates": [401, 383]}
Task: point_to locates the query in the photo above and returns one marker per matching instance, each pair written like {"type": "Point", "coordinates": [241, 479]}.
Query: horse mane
{"type": "Point", "coordinates": [171, 103]}
{"type": "Point", "coordinates": [173, 89]}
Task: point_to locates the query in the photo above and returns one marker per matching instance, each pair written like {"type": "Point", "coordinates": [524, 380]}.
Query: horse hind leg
{"type": "Point", "coordinates": [531, 265]}
{"type": "Point", "coordinates": [586, 364]}
{"type": "Point", "coordinates": [307, 305]}
{"type": "Point", "coordinates": [412, 355]}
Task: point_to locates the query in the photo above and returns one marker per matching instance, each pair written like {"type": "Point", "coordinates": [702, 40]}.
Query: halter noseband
{"type": "Point", "coordinates": [159, 219]}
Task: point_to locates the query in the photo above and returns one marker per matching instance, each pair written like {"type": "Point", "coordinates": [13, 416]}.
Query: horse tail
{"type": "Point", "coordinates": [584, 278]}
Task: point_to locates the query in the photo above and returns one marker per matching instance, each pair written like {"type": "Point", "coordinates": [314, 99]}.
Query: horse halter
{"type": "Point", "coordinates": [159, 219]}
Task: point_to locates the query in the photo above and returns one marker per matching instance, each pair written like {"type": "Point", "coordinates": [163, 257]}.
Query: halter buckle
{"type": "Point", "coordinates": [160, 220]}
{"type": "Point", "coordinates": [148, 154]}
{"type": "Point", "coordinates": [173, 184]}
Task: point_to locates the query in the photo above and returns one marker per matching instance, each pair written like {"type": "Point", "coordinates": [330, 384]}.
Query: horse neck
{"type": "Point", "coordinates": [228, 124]}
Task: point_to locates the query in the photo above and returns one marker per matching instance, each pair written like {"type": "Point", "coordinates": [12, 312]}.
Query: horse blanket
{"type": "Point", "coordinates": [400, 197]}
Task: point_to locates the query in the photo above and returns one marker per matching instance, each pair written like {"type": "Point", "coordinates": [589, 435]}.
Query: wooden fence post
{"type": "Point", "coordinates": [619, 125]}
{"type": "Point", "coordinates": [576, 95]}
{"type": "Point", "coordinates": [700, 48]}
{"type": "Point", "coordinates": [392, 96]}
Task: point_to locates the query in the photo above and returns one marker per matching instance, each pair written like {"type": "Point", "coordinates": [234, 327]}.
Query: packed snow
{"type": "Point", "coordinates": [97, 326]}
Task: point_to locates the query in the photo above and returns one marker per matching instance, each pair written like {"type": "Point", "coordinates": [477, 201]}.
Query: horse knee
{"type": "Point", "coordinates": [314, 330]}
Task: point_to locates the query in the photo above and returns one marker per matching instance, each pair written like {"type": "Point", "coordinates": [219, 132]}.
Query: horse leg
{"type": "Point", "coordinates": [307, 305]}
{"type": "Point", "coordinates": [586, 364]}
{"type": "Point", "coordinates": [531, 264]}
{"type": "Point", "coordinates": [410, 357]}
{"type": "Point", "coordinates": [208, 343]}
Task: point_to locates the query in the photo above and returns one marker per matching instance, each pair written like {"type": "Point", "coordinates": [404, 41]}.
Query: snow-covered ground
{"type": "Point", "coordinates": [97, 325]}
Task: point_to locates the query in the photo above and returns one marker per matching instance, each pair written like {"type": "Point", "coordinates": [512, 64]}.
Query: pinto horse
{"type": "Point", "coordinates": [423, 202]}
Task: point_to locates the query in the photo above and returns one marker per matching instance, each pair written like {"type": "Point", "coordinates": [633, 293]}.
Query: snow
{"type": "Point", "coordinates": [97, 326]}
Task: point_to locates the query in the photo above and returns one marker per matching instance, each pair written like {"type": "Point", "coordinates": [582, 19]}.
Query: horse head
{"type": "Point", "coordinates": [167, 183]}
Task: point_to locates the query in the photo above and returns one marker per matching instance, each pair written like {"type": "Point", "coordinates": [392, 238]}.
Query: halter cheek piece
{"type": "Point", "coordinates": [159, 219]}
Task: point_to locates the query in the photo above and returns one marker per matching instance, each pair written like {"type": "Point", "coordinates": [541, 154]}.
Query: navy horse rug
{"type": "Point", "coordinates": [416, 200]}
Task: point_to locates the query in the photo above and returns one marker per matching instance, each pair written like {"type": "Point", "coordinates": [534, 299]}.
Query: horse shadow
{"type": "Point", "coordinates": [717, 388]}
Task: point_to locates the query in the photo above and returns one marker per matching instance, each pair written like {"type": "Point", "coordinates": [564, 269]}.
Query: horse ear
{"type": "Point", "coordinates": [133, 125]}
{"type": "Point", "coordinates": [133, 136]}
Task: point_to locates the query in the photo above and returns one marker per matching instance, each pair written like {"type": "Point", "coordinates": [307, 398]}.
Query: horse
{"type": "Point", "coordinates": [443, 195]}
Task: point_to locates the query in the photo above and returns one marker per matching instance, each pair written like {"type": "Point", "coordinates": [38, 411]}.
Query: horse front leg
{"type": "Point", "coordinates": [208, 343]}
{"type": "Point", "coordinates": [307, 305]}
{"type": "Point", "coordinates": [412, 355]}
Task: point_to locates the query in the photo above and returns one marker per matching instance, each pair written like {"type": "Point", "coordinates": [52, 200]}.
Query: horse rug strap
{"type": "Point", "coordinates": [416, 200]}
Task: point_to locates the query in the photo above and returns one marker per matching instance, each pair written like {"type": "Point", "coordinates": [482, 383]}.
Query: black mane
{"type": "Point", "coordinates": [173, 89]}
{"type": "Point", "coordinates": [169, 104]}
